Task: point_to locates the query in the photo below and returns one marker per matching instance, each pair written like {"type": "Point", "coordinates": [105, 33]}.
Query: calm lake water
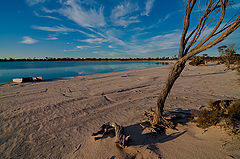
{"type": "Point", "coordinates": [59, 69]}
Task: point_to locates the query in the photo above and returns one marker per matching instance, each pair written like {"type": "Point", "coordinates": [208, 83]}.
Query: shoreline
{"type": "Point", "coordinates": [166, 62]}
{"type": "Point", "coordinates": [55, 119]}
{"type": "Point", "coordinates": [88, 59]}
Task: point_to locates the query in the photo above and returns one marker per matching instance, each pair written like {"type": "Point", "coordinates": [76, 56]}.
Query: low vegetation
{"type": "Point", "coordinates": [225, 113]}
{"type": "Point", "coordinates": [229, 57]}
{"type": "Point", "coordinates": [197, 61]}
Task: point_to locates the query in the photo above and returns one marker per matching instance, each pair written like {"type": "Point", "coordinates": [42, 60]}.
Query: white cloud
{"type": "Point", "coordinates": [28, 40]}
{"type": "Point", "coordinates": [98, 33]}
{"type": "Point", "coordinates": [167, 41]}
{"type": "Point", "coordinates": [82, 47]}
{"type": "Point", "coordinates": [73, 50]}
{"type": "Point", "coordinates": [53, 29]}
{"type": "Point", "coordinates": [169, 15]}
{"type": "Point", "coordinates": [111, 36]}
{"type": "Point", "coordinates": [61, 29]}
{"type": "Point", "coordinates": [122, 14]}
{"type": "Point", "coordinates": [86, 18]}
{"type": "Point", "coordinates": [157, 44]}
{"type": "Point", "coordinates": [33, 2]}
{"type": "Point", "coordinates": [116, 41]}
{"type": "Point", "coordinates": [48, 10]}
{"type": "Point", "coordinates": [94, 40]}
{"type": "Point", "coordinates": [164, 19]}
{"type": "Point", "coordinates": [51, 38]}
{"type": "Point", "coordinates": [108, 38]}
{"type": "Point", "coordinates": [46, 16]}
{"type": "Point", "coordinates": [148, 7]}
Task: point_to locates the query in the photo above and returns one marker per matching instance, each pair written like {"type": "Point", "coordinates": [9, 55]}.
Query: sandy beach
{"type": "Point", "coordinates": [55, 119]}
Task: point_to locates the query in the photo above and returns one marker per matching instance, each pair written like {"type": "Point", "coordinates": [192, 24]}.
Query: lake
{"type": "Point", "coordinates": [58, 69]}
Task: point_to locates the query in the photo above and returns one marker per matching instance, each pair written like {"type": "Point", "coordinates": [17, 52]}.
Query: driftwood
{"type": "Point", "coordinates": [222, 105]}
{"type": "Point", "coordinates": [161, 125]}
{"type": "Point", "coordinates": [113, 129]}
{"type": "Point", "coordinates": [168, 120]}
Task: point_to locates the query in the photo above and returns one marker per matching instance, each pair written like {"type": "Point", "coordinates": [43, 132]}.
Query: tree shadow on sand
{"type": "Point", "coordinates": [205, 74]}
{"type": "Point", "coordinates": [141, 137]}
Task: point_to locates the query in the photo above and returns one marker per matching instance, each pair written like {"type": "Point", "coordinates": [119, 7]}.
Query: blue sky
{"type": "Point", "coordinates": [95, 28]}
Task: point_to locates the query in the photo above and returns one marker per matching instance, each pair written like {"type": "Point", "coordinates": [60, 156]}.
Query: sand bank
{"type": "Point", "coordinates": [55, 119]}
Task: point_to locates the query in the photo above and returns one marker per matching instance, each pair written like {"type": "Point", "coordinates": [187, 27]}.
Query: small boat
{"type": "Point", "coordinates": [27, 79]}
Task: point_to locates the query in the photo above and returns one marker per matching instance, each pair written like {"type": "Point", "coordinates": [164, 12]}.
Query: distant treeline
{"type": "Point", "coordinates": [211, 58]}
{"type": "Point", "coordinates": [86, 59]}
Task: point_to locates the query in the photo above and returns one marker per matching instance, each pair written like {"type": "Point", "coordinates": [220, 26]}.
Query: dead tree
{"type": "Point", "coordinates": [195, 41]}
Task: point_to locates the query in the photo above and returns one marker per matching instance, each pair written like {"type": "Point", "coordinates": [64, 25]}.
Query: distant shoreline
{"type": "Point", "coordinates": [88, 59]}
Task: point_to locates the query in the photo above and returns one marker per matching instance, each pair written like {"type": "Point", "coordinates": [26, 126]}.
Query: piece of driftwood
{"type": "Point", "coordinates": [161, 125]}
{"type": "Point", "coordinates": [168, 120]}
{"type": "Point", "coordinates": [113, 129]}
{"type": "Point", "coordinates": [222, 105]}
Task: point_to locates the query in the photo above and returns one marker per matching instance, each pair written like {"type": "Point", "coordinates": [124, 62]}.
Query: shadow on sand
{"type": "Point", "coordinates": [205, 74]}
{"type": "Point", "coordinates": [139, 138]}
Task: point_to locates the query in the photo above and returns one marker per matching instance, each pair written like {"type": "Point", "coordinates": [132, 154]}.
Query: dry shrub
{"type": "Point", "coordinates": [207, 118]}
{"type": "Point", "coordinates": [197, 61]}
{"type": "Point", "coordinates": [234, 110]}
{"type": "Point", "coordinates": [227, 111]}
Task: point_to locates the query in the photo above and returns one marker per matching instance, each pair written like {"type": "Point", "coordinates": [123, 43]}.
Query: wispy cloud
{"type": "Point", "coordinates": [116, 41]}
{"type": "Point", "coordinates": [169, 15]}
{"type": "Point", "coordinates": [155, 44]}
{"type": "Point", "coordinates": [80, 15]}
{"type": "Point", "coordinates": [94, 40]}
{"type": "Point", "coordinates": [46, 16]}
{"type": "Point", "coordinates": [82, 47]}
{"type": "Point", "coordinates": [44, 9]}
{"type": "Point", "coordinates": [164, 19]}
{"type": "Point", "coordinates": [98, 33]}
{"type": "Point", "coordinates": [165, 41]}
{"type": "Point", "coordinates": [71, 50]}
{"type": "Point", "coordinates": [137, 47]}
{"type": "Point", "coordinates": [28, 40]}
{"type": "Point", "coordinates": [61, 29]}
{"type": "Point", "coordinates": [51, 37]}
{"type": "Point", "coordinates": [113, 37]}
{"type": "Point", "coordinates": [53, 29]}
{"type": "Point", "coordinates": [148, 7]}
{"type": "Point", "coordinates": [110, 46]}
{"type": "Point", "coordinates": [33, 2]}
{"type": "Point", "coordinates": [122, 14]}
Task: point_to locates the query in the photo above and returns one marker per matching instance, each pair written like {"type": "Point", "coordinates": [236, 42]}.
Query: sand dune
{"type": "Point", "coordinates": [55, 119]}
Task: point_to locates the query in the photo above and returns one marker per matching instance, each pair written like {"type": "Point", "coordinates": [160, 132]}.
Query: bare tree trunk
{"type": "Point", "coordinates": [172, 76]}
{"type": "Point", "coordinates": [191, 44]}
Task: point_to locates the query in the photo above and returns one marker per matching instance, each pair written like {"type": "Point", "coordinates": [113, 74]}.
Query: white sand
{"type": "Point", "coordinates": [55, 119]}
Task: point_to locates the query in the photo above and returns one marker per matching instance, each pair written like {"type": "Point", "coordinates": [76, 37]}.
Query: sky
{"type": "Point", "coordinates": [97, 28]}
